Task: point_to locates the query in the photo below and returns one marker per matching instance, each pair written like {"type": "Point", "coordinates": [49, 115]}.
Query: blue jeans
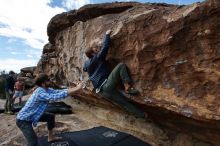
{"type": "Point", "coordinates": [28, 131]}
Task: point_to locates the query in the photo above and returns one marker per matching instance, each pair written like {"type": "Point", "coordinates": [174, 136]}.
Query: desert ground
{"type": "Point", "coordinates": [83, 117]}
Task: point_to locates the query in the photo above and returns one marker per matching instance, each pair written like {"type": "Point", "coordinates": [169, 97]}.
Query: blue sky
{"type": "Point", "coordinates": [23, 25]}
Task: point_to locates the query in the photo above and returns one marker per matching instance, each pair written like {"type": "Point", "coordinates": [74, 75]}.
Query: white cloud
{"type": "Point", "coordinates": [27, 20]}
{"type": "Point", "coordinates": [11, 40]}
{"type": "Point", "coordinates": [28, 53]}
{"type": "Point", "coordinates": [75, 4]}
{"type": "Point", "coordinates": [34, 53]}
{"type": "Point", "coordinates": [15, 53]}
{"type": "Point", "coordinates": [16, 65]}
{"type": "Point", "coordinates": [30, 56]}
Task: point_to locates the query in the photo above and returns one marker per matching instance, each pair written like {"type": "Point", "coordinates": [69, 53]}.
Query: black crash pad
{"type": "Point", "coordinates": [54, 107]}
{"type": "Point", "coordinates": [59, 108]}
{"type": "Point", "coordinates": [2, 110]}
{"type": "Point", "coordinates": [98, 136]}
{"type": "Point", "coordinates": [16, 108]}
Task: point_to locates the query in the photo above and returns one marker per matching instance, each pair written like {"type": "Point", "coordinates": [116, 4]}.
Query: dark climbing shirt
{"type": "Point", "coordinates": [10, 82]}
{"type": "Point", "coordinates": [97, 65]}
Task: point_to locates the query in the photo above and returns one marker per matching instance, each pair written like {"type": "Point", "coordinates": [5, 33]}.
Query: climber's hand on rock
{"type": "Point", "coordinates": [108, 32]}
{"type": "Point", "coordinates": [80, 85]}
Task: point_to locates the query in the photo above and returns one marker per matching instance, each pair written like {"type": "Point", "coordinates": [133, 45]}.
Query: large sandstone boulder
{"type": "Point", "coordinates": [172, 52]}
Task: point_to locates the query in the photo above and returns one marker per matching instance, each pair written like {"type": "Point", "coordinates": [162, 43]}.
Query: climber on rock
{"type": "Point", "coordinates": [33, 111]}
{"type": "Point", "coordinates": [104, 81]}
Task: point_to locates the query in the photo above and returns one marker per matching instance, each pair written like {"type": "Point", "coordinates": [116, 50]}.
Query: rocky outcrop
{"type": "Point", "coordinates": [84, 14]}
{"type": "Point", "coordinates": [27, 74]}
{"type": "Point", "coordinates": [28, 69]}
{"type": "Point", "coordinates": [172, 52]}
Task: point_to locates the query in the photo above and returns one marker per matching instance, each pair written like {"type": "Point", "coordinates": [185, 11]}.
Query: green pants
{"type": "Point", "coordinates": [110, 91]}
{"type": "Point", "coordinates": [8, 103]}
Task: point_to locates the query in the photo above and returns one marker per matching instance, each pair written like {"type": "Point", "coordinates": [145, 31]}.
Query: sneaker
{"type": "Point", "coordinates": [132, 91]}
{"type": "Point", "coordinates": [10, 113]}
{"type": "Point", "coordinates": [125, 94]}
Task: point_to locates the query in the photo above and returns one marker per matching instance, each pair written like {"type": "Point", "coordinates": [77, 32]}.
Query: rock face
{"type": "Point", "coordinates": [173, 53]}
{"type": "Point", "coordinates": [27, 75]}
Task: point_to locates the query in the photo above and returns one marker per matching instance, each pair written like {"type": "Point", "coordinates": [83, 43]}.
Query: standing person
{"type": "Point", "coordinates": [19, 89]}
{"type": "Point", "coordinates": [105, 81]}
{"type": "Point", "coordinates": [9, 88]}
{"type": "Point", "coordinates": [33, 111]}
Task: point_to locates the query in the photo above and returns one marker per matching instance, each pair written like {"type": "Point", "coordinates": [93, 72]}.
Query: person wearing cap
{"type": "Point", "coordinates": [105, 81]}
{"type": "Point", "coordinates": [9, 89]}
{"type": "Point", "coordinates": [34, 109]}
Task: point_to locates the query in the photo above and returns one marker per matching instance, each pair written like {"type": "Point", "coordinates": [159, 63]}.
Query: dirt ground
{"type": "Point", "coordinates": [10, 135]}
{"type": "Point", "coordinates": [86, 116]}
{"type": "Point", "coordinates": [82, 118]}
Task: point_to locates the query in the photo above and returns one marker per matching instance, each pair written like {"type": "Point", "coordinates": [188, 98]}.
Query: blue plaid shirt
{"type": "Point", "coordinates": [37, 103]}
{"type": "Point", "coordinates": [97, 65]}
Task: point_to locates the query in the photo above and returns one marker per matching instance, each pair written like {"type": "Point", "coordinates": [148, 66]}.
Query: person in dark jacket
{"type": "Point", "coordinates": [9, 89]}
{"type": "Point", "coordinates": [105, 81]}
